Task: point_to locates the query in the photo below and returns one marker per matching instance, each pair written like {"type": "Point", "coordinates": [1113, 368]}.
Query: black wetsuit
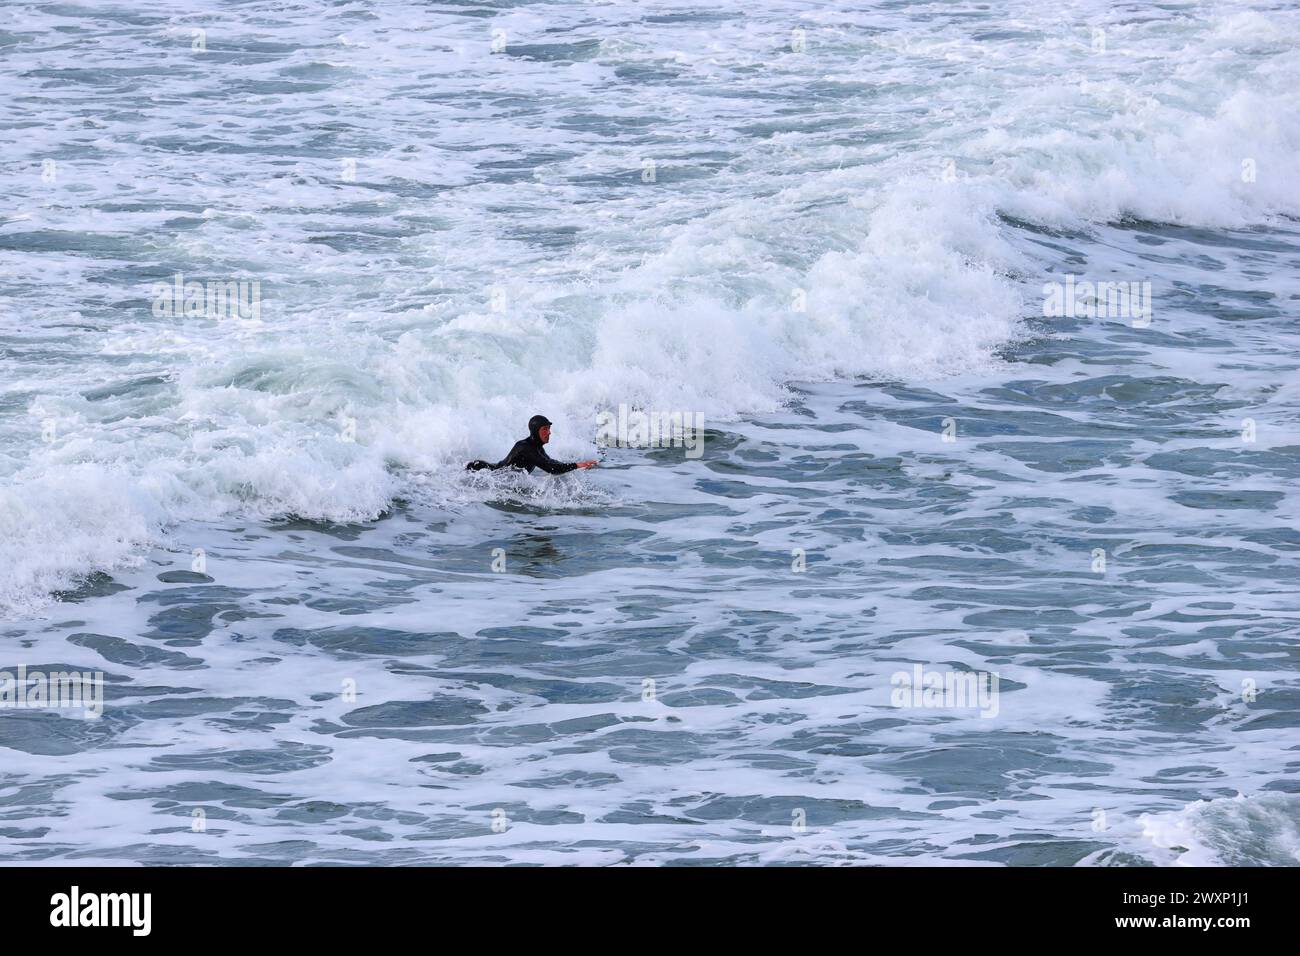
{"type": "Point", "coordinates": [528, 453]}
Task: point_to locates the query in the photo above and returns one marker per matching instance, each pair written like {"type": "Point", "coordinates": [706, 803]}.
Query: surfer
{"type": "Point", "coordinates": [528, 453]}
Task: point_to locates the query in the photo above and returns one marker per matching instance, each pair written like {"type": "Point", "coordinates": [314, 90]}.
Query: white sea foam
{"type": "Point", "coordinates": [1262, 829]}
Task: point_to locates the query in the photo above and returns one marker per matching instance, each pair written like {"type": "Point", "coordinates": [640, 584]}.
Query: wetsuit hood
{"type": "Point", "coordinates": [536, 424]}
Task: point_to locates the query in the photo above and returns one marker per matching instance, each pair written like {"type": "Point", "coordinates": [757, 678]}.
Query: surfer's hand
{"type": "Point", "coordinates": [586, 464]}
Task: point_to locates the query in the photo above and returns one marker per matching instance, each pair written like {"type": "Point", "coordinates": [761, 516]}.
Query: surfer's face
{"type": "Point", "coordinates": [544, 433]}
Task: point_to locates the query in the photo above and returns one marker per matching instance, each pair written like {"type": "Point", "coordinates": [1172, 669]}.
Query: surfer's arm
{"type": "Point", "coordinates": [553, 467]}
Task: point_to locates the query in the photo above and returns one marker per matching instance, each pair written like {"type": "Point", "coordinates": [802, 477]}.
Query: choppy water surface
{"type": "Point", "coordinates": [837, 257]}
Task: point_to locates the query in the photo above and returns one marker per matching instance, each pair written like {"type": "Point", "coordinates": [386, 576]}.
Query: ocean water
{"type": "Point", "coordinates": [830, 230]}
